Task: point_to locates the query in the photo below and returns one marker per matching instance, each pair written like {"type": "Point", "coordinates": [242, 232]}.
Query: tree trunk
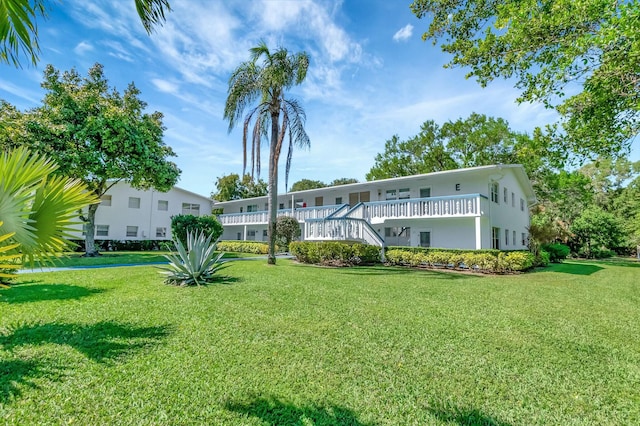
{"type": "Point", "coordinates": [90, 232]}
{"type": "Point", "coordinates": [272, 204]}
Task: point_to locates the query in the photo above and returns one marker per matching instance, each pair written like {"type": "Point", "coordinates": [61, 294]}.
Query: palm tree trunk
{"type": "Point", "coordinates": [90, 229]}
{"type": "Point", "coordinates": [272, 204]}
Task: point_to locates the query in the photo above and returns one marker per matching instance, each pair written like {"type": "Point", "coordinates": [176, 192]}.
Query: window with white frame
{"type": "Point", "coordinates": [404, 193]}
{"type": "Point", "coordinates": [264, 233]}
{"type": "Point", "coordinates": [134, 202]}
{"type": "Point", "coordinates": [524, 239]}
{"type": "Point", "coordinates": [163, 205]}
{"type": "Point", "coordinates": [513, 199]}
{"type": "Point", "coordinates": [495, 238]}
{"type": "Point", "coordinates": [132, 231]}
{"type": "Point", "coordinates": [425, 239]}
{"type": "Point", "coordinates": [391, 194]}
{"type": "Point", "coordinates": [161, 232]}
{"type": "Point", "coordinates": [514, 238]}
{"type": "Point", "coordinates": [251, 234]}
{"type": "Point", "coordinates": [192, 209]}
{"type": "Point", "coordinates": [252, 208]}
{"type": "Point", "coordinates": [338, 200]}
{"type": "Point", "coordinates": [494, 192]}
{"type": "Point", "coordinates": [425, 192]}
{"type": "Point", "coordinates": [506, 195]}
{"type": "Point", "coordinates": [506, 237]}
{"type": "Point", "coordinates": [105, 200]}
{"type": "Point", "coordinates": [102, 230]}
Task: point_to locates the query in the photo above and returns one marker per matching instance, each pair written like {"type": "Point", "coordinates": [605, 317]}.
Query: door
{"type": "Point", "coordinates": [318, 201]}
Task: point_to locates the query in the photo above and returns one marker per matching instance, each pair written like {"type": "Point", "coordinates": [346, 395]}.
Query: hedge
{"type": "Point", "coordinates": [243, 247]}
{"type": "Point", "coordinates": [493, 261]}
{"type": "Point", "coordinates": [333, 253]}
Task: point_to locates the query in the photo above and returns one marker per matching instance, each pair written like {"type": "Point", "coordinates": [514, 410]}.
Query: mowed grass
{"type": "Point", "coordinates": [303, 345]}
{"type": "Point", "coordinates": [71, 260]}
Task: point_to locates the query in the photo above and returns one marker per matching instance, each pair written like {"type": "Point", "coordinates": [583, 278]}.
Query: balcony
{"type": "Point", "coordinates": [262, 218]}
{"type": "Point", "coordinates": [469, 205]}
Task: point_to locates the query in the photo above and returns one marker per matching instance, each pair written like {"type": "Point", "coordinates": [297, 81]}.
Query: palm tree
{"type": "Point", "coordinates": [266, 82]}
{"type": "Point", "coordinates": [19, 31]}
{"type": "Point", "coordinates": [37, 207]}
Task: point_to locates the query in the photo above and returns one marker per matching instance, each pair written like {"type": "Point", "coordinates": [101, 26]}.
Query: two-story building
{"type": "Point", "coordinates": [126, 213]}
{"type": "Point", "coordinates": [472, 208]}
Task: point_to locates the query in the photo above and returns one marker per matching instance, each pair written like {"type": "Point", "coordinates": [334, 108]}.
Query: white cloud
{"type": "Point", "coordinates": [404, 33]}
{"type": "Point", "coordinates": [165, 86]}
{"type": "Point", "coordinates": [82, 48]}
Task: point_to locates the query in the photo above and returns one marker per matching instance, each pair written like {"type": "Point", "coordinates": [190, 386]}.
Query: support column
{"type": "Point", "coordinates": [478, 233]}
{"type": "Point", "coordinates": [244, 237]}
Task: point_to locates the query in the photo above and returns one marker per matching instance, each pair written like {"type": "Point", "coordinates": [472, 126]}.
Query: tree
{"type": "Point", "coordinates": [36, 206]}
{"type": "Point", "coordinates": [100, 137]}
{"type": "Point", "coordinates": [596, 231]}
{"type": "Point", "coordinates": [343, 181]}
{"type": "Point", "coordinates": [19, 29]}
{"type": "Point", "coordinates": [230, 187]}
{"type": "Point", "coordinates": [267, 82]}
{"type": "Point", "coordinates": [579, 57]}
{"type": "Point", "coordinates": [287, 230]}
{"type": "Point", "coordinates": [304, 184]}
{"type": "Point", "coordinates": [424, 153]}
{"type": "Point", "coordinates": [182, 224]}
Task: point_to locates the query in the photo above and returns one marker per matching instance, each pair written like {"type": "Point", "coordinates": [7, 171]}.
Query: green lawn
{"type": "Point", "coordinates": [303, 345]}
{"type": "Point", "coordinates": [121, 258]}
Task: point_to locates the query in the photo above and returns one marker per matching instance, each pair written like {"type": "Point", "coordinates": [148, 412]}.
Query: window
{"type": "Point", "coordinates": [252, 208]}
{"type": "Point", "coordinates": [134, 202]}
{"type": "Point", "coordinates": [391, 194]}
{"type": "Point", "coordinates": [266, 206]}
{"type": "Point", "coordinates": [404, 193]}
{"type": "Point", "coordinates": [425, 192]}
{"type": "Point", "coordinates": [513, 201]}
{"type": "Point", "coordinates": [264, 233]}
{"type": "Point", "coordinates": [524, 239]}
{"type": "Point", "coordinates": [163, 205]}
{"type": "Point", "coordinates": [338, 200]}
{"type": "Point", "coordinates": [105, 200]}
{"type": "Point", "coordinates": [161, 232]}
{"type": "Point", "coordinates": [238, 236]}
{"type": "Point", "coordinates": [514, 238]}
{"type": "Point", "coordinates": [398, 236]}
{"type": "Point", "coordinates": [251, 235]}
{"type": "Point", "coordinates": [506, 237]}
{"type": "Point", "coordinates": [506, 195]}
{"type": "Point", "coordinates": [281, 206]}
{"type": "Point", "coordinates": [132, 231]}
{"type": "Point", "coordinates": [495, 238]}
{"type": "Point", "coordinates": [494, 192]}
{"type": "Point", "coordinates": [102, 230]}
{"type": "Point", "coordinates": [521, 204]}
{"type": "Point", "coordinates": [425, 239]}
{"type": "Point", "coordinates": [193, 209]}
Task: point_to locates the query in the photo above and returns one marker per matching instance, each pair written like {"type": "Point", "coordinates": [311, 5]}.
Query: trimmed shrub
{"type": "Point", "coordinates": [557, 252]}
{"type": "Point", "coordinates": [183, 223]}
{"type": "Point", "coordinates": [542, 259]}
{"type": "Point", "coordinates": [333, 253]}
{"type": "Point", "coordinates": [243, 247]}
{"type": "Point", "coordinates": [287, 230]}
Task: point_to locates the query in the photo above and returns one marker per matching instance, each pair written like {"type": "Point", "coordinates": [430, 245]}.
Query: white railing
{"type": "Point", "coordinates": [450, 206]}
{"type": "Point", "coordinates": [341, 229]}
{"type": "Point", "coordinates": [261, 217]}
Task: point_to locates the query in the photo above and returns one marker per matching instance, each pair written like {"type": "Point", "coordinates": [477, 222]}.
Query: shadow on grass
{"type": "Point", "coordinates": [15, 374]}
{"type": "Point", "coordinates": [100, 342]}
{"type": "Point", "coordinates": [21, 293]}
{"type": "Point", "coordinates": [467, 417]}
{"type": "Point", "coordinates": [575, 268]}
{"type": "Point", "coordinates": [442, 274]}
{"type": "Point", "coordinates": [274, 412]}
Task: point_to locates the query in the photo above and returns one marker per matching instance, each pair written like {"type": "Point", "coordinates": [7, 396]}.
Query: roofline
{"type": "Point", "coordinates": [526, 182]}
{"type": "Point", "coordinates": [164, 192]}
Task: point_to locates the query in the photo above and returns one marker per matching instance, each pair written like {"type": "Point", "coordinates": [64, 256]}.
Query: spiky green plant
{"type": "Point", "coordinates": [7, 258]}
{"type": "Point", "coordinates": [195, 264]}
{"type": "Point", "coordinates": [37, 206]}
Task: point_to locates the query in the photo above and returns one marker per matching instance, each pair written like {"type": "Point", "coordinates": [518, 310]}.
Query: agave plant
{"type": "Point", "coordinates": [7, 258]}
{"type": "Point", "coordinates": [38, 207]}
{"type": "Point", "coordinates": [194, 265]}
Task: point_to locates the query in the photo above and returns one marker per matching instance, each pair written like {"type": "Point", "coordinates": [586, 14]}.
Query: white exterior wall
{"type": "Point", "coordinates": [453, 232]}
{"type": "Point", "coordinates": [147, 217]}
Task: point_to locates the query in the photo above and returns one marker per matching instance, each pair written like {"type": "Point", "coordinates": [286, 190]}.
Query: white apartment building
{"type": "Point", "coordinates": [126, 213]}
{"type": "Point", "coordinates": [473, 208]}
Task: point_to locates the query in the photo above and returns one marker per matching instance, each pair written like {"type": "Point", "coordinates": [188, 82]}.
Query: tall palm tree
{"type": "Point", "coordinates": [266, 82]}
{"type": "Point", "coordinates": [37, 207]}
{"type": "Point", "coordinates": [19, 30]}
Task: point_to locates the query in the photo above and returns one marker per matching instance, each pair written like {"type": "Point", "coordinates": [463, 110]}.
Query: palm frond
{"type": "Point", "coordinates": [151, 12]}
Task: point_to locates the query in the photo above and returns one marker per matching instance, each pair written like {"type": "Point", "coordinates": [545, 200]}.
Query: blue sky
{"type": "Point", "coordinates": [371, 76]}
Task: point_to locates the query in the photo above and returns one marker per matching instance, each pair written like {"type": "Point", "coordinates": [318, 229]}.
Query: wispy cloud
{"type": "Point", "coordinates": [404, 33]}
{"type": "Point", "coordinates": [82, 48]}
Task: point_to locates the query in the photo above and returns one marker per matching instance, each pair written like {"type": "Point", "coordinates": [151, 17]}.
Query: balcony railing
{"type": "Point", "coordinates": [341, 229]}
{"type": "Point", "coordinates": [261, 217]}
{"type": "Point", "coordinates": [434, 207]}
